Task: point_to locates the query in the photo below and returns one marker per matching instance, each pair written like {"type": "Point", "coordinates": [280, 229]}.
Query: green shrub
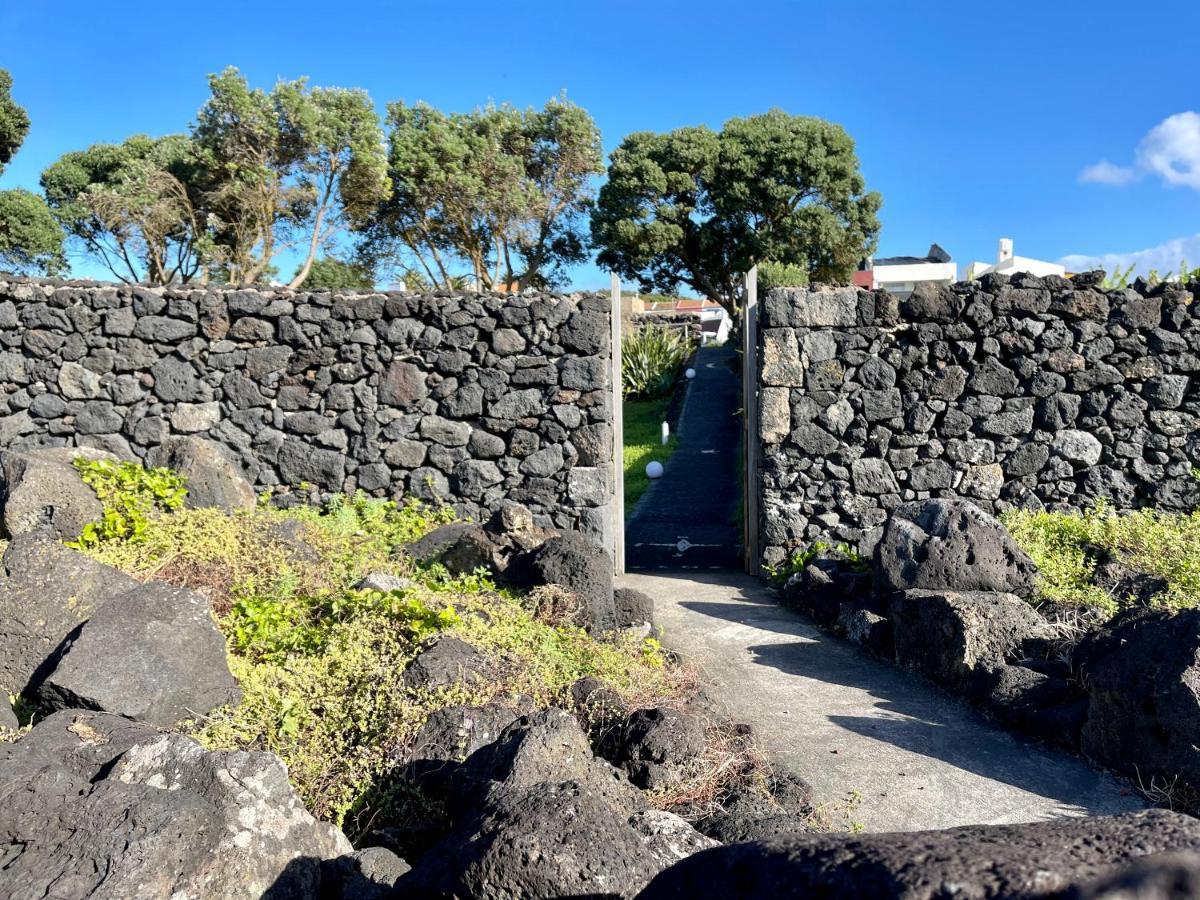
{"type": "Point", "coordinates": [1067, 546]}
{"type": "Point", "coordinates": [650, 360]}
{"type": "Point", "coordinates": [129, 494]}
{"type": "Point", "coordinates": [801, 558]}
{"type": "Point", "coordinates": [774, 274]}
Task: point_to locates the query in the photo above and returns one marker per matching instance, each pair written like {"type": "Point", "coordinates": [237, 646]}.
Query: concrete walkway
{"type": "Point", "coordinates": [687, 519]}
{"type": "Point", "coordinates": [846, 722]}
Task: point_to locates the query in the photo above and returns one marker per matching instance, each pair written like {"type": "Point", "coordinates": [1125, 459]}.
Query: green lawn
{"type": "Point", "coordinates": [643, 442]}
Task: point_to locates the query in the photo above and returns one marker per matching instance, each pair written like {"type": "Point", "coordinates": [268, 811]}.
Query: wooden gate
{"type": "Point", "coordinates": [618, 427]}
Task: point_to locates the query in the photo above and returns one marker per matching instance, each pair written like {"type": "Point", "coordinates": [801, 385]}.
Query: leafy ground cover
{"type": "Point", "coordinates": [318, 661]}
{"type": "Point", "coordinates": [643, 443]}
{"type": "Point", "coordinates": [1098, 561]}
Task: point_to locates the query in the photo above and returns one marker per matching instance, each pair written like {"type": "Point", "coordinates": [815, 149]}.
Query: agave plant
{"type": "Point", "coordinates": [650, 360]}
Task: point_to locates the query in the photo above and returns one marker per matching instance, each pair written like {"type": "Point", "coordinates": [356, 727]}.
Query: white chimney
{"type": "Point", "coordinates": [1005, 251]}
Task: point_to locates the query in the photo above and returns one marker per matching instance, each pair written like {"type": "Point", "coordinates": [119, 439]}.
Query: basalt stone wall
{"type": "Point", "coordinates": [470, 398]}
{"type": "Point", "coordinates": [1029, 392]}
{"type": "Point", "coordinates": [688, 324]}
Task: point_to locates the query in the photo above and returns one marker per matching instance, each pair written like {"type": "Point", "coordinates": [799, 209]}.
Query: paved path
{"type": "Point", "coordinates": [846, 722]}
{"type": "Point", "coordinates": [688, 517]}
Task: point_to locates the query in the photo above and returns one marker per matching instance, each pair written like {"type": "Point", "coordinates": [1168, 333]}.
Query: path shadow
{"type": "Point", "coordinates": [906, 711]}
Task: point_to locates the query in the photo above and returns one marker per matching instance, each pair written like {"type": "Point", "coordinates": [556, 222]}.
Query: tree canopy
{"type": "Point", "coordinates": [332, 274]}
{"type": "Point", "coordinates": [31, 241]}
{"type": "Point", "coordinates": [499, 192]}
{"type": "Point", "coordinates": [699, 207]}
{"type": "Point", "coordinates": [286, 169]}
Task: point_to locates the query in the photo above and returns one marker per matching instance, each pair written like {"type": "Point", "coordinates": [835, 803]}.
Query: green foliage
{"type": "Point", "coordinates": [136, 207]}
{"type": "Point", "coordinates": [130, 495]}
{"type": "Point", "coordinates": [700, 208]}
{"type": "Point", "coordinates": [650, 360]}
{"type": "Point", "coordinates": [643, 442]}
{"type": "Point", "coordinates": [1066, 546]}
{"type": "Point", "coordinates": [817, 550]}
{"type": "Point", "coordinates": [773, 275]}
{"type": "Point", "coordinates": [1120, 278]}
{"type": "Point", "coordinates": [14, 122]}
{"type": "Point", "coordinates": [31, 240]}
{"type": "Point", "coordinates": [333, 274]}
{"type": "Point", "coordinates": [499, 191]}
{"type": "Point", "coordinates": [319, 661]}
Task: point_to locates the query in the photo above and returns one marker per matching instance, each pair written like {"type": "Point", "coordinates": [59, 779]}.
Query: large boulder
{"type": "Point", "coordinates": [948, 635]}
{"type": "Point", "coordinates": [538, 815]}
{"type": "Point", "coordinates": [151, 654]}
{"type": "Point", "coordinates": [460, 546]}
{"type": "Point", "coordinates": [747, 814]}
{"type": "Point", "coordinates": [1160, 876]}
{"type": "Point", "coordinates": [656, 745]}
{"type": "Point", "coordinates": [213, 480]}
{"type": "Point", "coordinates": [977, 861]}
{"type": "Point", "coordinates": [950, 545]}
{"type": "Point", "coordinates": [634, 608]}
{"type": "Point", "coordinates": [93, 805]}
{"type": "Point", "coordinates": [41, 489]}
{"type": "Point", "coordinates": [575, 563]}
{"type": "Point", "coordinates": [1142, 672]}
{"type": "Point", "coordinates": [47, 592]}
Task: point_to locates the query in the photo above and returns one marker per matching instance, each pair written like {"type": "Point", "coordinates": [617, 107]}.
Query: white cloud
{"type": "Point", "coordinates": [1166, 257]}
{"type": "Point", "coordinates": [1170, 150]}
{"type": "Point", "coordinates": [1105, 172]}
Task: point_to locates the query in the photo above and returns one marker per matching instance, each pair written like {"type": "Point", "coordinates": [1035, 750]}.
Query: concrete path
{"type": "Point", "coordinates": [846, 722]}
{"type": "Point", "coordinates": [688, 517]}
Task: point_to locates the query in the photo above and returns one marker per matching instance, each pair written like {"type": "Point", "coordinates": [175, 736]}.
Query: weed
{"type": "Point", "coordinates": [801, 558]}
{"type": "Point", "coordinates": [129, 494]}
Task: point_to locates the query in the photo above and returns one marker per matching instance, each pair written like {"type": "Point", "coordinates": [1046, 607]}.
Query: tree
{"type": "Point", "coordinates": [699, 208]}
{"type": "Point", "coordinates": [31, 241]}
{"type": "Point", "coordinates": [499, 191]}
{"type": "Point", "coordinates": [333, 274]}
{"type": "Point", "coordinates": [14, 122]}
{"type": "Point", "coordinates": [288, 167]}
{"type": "Point", "coordinates": [136, 206]}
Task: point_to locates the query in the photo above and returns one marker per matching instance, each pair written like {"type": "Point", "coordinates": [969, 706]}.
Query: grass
{"type": "Point", "coordinates": [643, 443]}
{"type": "Point", "coordinates": [1068, 548]}
{"type": "Point", "coordinates": [318, 661]}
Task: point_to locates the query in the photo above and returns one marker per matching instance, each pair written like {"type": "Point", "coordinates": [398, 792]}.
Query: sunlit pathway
{"type": "Point", "coordinates": [848, 723]}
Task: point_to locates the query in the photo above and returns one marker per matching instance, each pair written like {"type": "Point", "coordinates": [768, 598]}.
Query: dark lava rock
{"type": "Point", "coordinates": [950, 545]}
{"type": "Point", "coordinates": [978, 861]}
{"type": "Point", "coordinates": [657, 743]}
{"type": "Point", "coordinates": [633, 608]}
{"type": "Point", "coordinates": [1160, 876]}
{"type": "Point", "coordinates": [460, 547]}
{"type": "Point", "coordinates": [573, 562]}
{"type": "Point", "coordinates": [94, 805]}
{"type": "Point", "coordinates": [47, 592]}
{"type": "Point", "coordinates": [153, 654]}
{"type": "Point", "coordinates": [444, 663]}
{"type": "Point", "coordinates": [869, 630]}
{"type": "Point", "coordinates": [825, 585]}
{"type": "Point", "coordinates": [747, 815]}
{"type": "Point", "coordinates": [1142, 673]}
{"type": "Point", "coordinates": [947, 635]}
{"type": "Point", "coordinates": [367, 874]}
{"type": "Point", "coordinates": [41, 489]}
{"type": "Point", "coordinates": [213, 480]}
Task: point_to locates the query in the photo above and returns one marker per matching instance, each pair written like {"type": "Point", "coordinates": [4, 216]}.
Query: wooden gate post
{"type": "Point", "coordinates": [750, 414]}
{"type": "Point", "coordinates": [618, 426]}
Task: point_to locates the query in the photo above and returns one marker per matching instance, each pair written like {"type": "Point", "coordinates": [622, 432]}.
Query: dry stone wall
{"type": "Point", "coordinates": [469, 398]}
{"type": "Point", "coordinates": [1029, 392]}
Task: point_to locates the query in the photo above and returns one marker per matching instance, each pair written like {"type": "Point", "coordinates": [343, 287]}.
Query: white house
{"type": "Point", "coordinates": [900, 274]}
{"type": "Point", "coordinates": [1007, 264]}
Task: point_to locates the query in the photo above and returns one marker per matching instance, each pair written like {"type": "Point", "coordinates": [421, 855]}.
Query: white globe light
{"type": "Point", "coordinates": [690, 373]}
{"type": "Point", "coordinates": [654, 469]}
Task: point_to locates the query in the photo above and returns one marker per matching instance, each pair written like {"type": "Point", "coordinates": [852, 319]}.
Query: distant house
{"type": "Point", "coordinates": [900, 274]}
{"type": "Point", "coordinates": [1007, 264]}
{"type": "Point", "coordinates": [714, 320]}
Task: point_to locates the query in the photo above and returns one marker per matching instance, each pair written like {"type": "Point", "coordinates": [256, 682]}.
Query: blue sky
{"type": "Point", "coordinates": [1058, 124]}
